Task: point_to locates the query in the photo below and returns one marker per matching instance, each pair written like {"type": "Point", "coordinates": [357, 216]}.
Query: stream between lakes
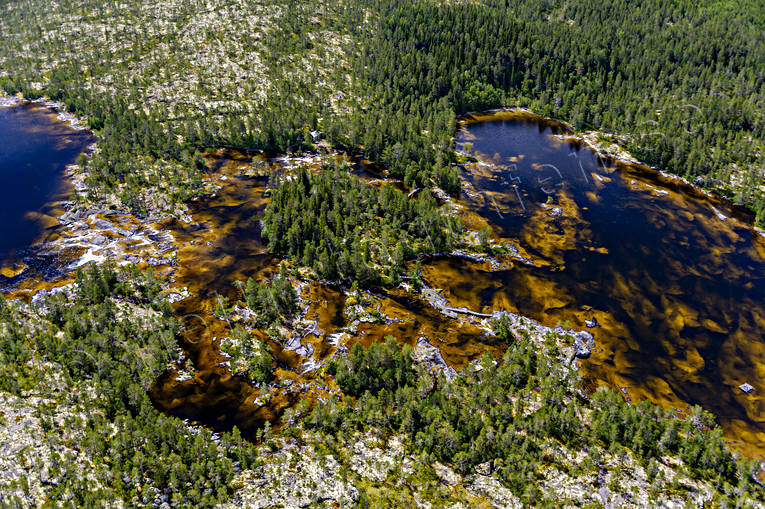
{"type": "Point", "coordinates": [674, 278]}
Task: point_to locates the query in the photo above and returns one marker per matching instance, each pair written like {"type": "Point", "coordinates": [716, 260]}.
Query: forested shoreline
{"type": "Point", "coordinates": [501, 413]}
{"type": "Point", "coordinates": [97, 346]}
{"type": "Point", "coordinates": [346, 230]}
{"type": "Point", "coordinates": [93, 351]}
{"type": "Point", "coordinates": [667, 80]}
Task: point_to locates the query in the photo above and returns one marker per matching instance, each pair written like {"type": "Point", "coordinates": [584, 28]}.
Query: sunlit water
{"type": "Point", "coordinates": [677, 289]}
{"type": "Point", "coordinates": [34, 150]}
{"type": "Point", "coordinates": [676, 279]}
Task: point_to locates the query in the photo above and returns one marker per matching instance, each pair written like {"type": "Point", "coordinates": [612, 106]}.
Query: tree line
{"type": "Point", "coordinates": [345, 229]}
{"type": "Point", "coordinates": [679, 83]}
{"type": "Point", "coordinates": [506, 412]}
{"type": "Point", "coordinates": [107, 355]}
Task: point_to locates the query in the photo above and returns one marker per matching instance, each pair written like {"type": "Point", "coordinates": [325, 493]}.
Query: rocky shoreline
{"type": "Point", "coordinates": [92, 231]}
{"type": "Point", "coordinates": [572, 344]}
{"type": "Point", "coordinates": [76, 123]}
{"type": "Point", "coordinates": [595, 141]}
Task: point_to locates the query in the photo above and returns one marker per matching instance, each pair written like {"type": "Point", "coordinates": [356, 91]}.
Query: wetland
{"type": "Point", "coordinates": [673, 279]}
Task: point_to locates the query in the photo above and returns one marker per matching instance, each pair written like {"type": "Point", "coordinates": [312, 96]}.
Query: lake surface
{"type": "Point", "coordinates": [35, 148]}
{"type": "Point", "coordinates": [675, 278]}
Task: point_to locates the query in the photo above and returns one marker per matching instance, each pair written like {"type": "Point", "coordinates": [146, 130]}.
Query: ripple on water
{"type": "Point", "coordinates": [675, 277]}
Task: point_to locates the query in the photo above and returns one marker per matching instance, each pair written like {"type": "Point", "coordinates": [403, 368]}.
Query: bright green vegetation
{"type": "Point", "coordinates": [270, 303]}
{"type": "Point", "coordinates": [161, 82]}
{"type": "Point", "coordinates": [678, 83]}
{"type": "Point", "coordinates": [503, 330]}
{"type": "Point", "coordinates": [345, 229]}
{"type": "Point", "coordinates": [381, 366]}
{"type": "Point", "coordinates": [249, 355]}
{"type": "Point", "coordinates": [268, 306]}
{"type": "Point", "coordinates": [95, 355]}
{"type": "Point", "coordinates": [509, 412]}
{"type": "Point", "coordinates": [92, 356]}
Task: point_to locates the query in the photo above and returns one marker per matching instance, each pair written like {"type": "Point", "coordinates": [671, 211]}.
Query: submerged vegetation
{"type": "Point", "coordinates": [510, 414]}
{"type": "Point", "coordinates": [164, 84]}
{"type": "Point", "coordinates": [93, 350]}
{"type": "Point", "coordinates": [667, 78]}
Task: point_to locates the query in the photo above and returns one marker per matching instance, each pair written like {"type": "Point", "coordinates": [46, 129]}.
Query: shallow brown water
{"type": "Point", "coordinates": [224, 246]}
{"type": "Point", "coordinates": [676, 289]}
{"type": "Point", "coordinates": [675, 278]}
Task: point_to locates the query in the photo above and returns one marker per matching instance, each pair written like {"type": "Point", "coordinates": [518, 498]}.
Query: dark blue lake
{"type": "Point", "coordinates": [35, 148]}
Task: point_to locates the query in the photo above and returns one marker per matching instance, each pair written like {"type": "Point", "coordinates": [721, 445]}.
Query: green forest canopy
{"type": "Point", "coordinates": [682, 83]}
{"type": "Point", "coordinates": [485, 415]}
{"type": "Point", "coordinates": [347, 230]}
{"type": "Point", "coordinates": [100, 355]}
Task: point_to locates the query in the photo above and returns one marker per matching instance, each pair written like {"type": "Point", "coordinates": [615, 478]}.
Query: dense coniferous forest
{"type": "Point", "coordinates": [680, 84]}
{"type": "Point", "coordinates": [345, 229]}
{"type": "Point", "coordinates": [506, 412]}
{"type": "Point", "coordinates": [96, 352]}
{"type": "Point", "coordinates": [102, 355]}
{"type": "Point", "coordinates": [268, 306]}
{"type": "Point", "coordinates": [270, 303]}
{"type": "Point", "coordinates": [249, 356]}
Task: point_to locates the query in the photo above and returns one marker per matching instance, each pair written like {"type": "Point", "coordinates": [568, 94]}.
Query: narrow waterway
{"type": "Point", "coordinates": [674, 278]}
{"type": "Point", "coordinates": [224, 246]}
